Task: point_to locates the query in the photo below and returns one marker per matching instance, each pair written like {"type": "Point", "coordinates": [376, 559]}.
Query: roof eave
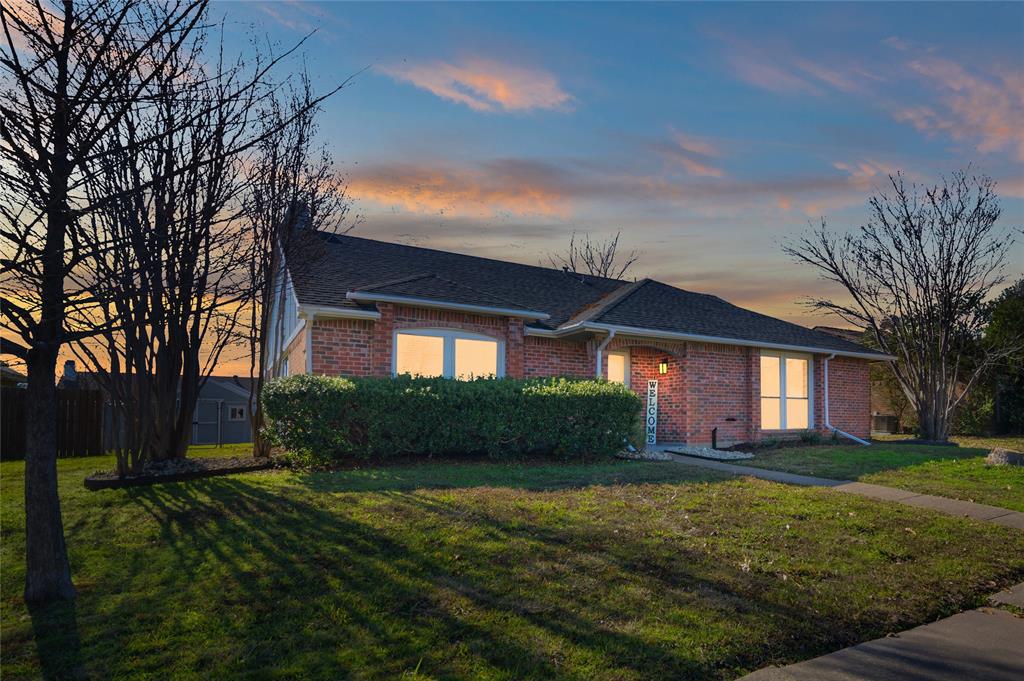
{"type": "Point", "coordinates": [331, 312]}
{"type": "Point", "coordinates": [360, 296]}
{"type": "Point", "coordinates": [698, 338]}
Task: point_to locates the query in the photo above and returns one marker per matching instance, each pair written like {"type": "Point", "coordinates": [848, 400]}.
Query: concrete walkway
{"type": "Point", "coordinates": [978, 644]}
{"type": "Point", "coordinates": [992, 514]}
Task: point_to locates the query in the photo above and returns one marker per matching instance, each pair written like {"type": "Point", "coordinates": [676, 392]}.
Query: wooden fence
{"type": "Point", "coordinates": [79, 423]}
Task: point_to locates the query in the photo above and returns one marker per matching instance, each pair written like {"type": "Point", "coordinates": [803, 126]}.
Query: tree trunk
{"type": "Point", "coordinates": [930, 424]}
{"type": "Point", "coordinates": [47, 573]}
{"type": "Point", "coordinates": [260, 444]}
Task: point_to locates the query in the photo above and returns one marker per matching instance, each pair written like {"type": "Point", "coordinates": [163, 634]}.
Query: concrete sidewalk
{"type": "Point", "coordinates": [992, 514]}
{"type": "Point", "coordinates": [978, 644]}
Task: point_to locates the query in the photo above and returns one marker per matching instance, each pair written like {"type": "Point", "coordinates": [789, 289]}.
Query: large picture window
{"type": "Point", "coordinates": [448, 353]}
{"type": "Point", "coordinates": [785, 391]}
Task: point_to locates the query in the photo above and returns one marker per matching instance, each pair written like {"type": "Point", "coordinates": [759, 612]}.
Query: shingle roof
{"type": "Point", "coordinates": [433, 287]}
{"type": "Point", "coordinates": [324, 268]}
{"type": "Point", "coordinates": [655, 305]}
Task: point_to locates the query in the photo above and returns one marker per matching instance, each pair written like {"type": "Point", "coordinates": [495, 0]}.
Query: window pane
{"type": "Point", "coordinates": [796, 378]}
{"type": "Point", "coordinates": [616, 367]}
{"type": "Point", "coordinates": [475, 358]}
{"type": "Point", "coordinates": [769, 376]}
{"type": "Point", "coordinates": [419, 355]}
{"type": "Point", "coordinates": [770, 413]}
{"type": "Point", "coordinates": [796, 412]}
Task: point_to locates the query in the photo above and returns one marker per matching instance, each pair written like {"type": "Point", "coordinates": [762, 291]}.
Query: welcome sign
{"type": "Point", "coordinates": [651, 417]}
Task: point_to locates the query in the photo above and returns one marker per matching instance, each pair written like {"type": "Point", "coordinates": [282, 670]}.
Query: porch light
{"type": "Point", "coordinates": [663, 367]}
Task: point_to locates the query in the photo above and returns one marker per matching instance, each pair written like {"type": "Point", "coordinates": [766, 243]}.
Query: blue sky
{"type": "Point", "coordinates": [707, 133]}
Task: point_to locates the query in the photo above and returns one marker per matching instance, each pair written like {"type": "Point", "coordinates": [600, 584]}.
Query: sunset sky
{"type": "Point", "coordinates": [707, 133]}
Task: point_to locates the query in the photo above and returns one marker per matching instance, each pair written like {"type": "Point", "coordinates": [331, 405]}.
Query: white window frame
{"type": "Point", "coordinates": [626, 366]}
{"type": "Point", "coordinates": [449, 336]}
{"type": "Point", "coordinates": [782, 388]}
{"type": "Point", "coordinates": [236, 406]}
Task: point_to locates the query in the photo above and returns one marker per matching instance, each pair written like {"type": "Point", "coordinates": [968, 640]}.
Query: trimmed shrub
{"type": "Point", "coordinates": [323, 418]}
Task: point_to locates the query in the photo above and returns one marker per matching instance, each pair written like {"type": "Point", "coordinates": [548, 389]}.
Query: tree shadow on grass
{"type": "Point", "coordinates": [307, 586]}
{"type": "Point", "coordinates": [58, 645]}
{"type": "Point", "coordinates": [247, 576]}
{"type": "Point", "coordinates": [517, 476]}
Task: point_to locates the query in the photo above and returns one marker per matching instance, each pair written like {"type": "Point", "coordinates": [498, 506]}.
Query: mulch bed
{"type": "Point", "coordinates": [177, 470]}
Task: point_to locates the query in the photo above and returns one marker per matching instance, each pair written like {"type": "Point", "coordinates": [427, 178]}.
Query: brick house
{"type": "Point", "coordinates": [358, 307]}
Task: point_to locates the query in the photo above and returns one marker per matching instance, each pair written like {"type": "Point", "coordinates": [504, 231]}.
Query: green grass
{"type": "Point", "coordinates": [954, 472]}
{"type": "Point", "coordinates": [622, 570]}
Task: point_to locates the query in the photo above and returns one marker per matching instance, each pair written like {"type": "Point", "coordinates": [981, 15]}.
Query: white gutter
{"type": "Point", "coordinates": [600, 353]}
{"type": "Point", "coordinates": [444, 305]}
{"type": "Point", "coordinates": [697, 338]}
{"type": "Point", "coordinates": [827, 423]}
{"type": "Point", "coordinates": [328, 312]}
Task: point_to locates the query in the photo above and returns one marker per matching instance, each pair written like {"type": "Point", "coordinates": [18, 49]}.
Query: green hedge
{"type": "Point", "coordinates": [323, 418]}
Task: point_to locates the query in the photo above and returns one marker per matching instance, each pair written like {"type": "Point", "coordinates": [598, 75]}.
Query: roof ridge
{"type": "Point", "coordinates": [633, 288]}
{"type": "Point", "coordinates": [607, 302]}
{"type": "Point", "coordinates": [430, 275]}
{"type": "Point", "coordinates": [392, 282]}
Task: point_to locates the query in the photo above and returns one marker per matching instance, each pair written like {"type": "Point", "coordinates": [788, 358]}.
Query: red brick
{"type": "Point", "coordinates": [707, 385]}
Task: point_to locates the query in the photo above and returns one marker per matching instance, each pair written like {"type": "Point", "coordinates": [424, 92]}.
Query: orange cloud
{"type": "Point", "coordinates": [988, 110]}
{"type": "Point", "coordinates": [862, 173]}
{"type": "Point", "coordinates": [487, 190]}
{"type": "Point", "coordinates": [765, 73]}
{"type": "Point", "coordinates": [485, 85]}
{"type": "Point", "coordinates": [693, 153]}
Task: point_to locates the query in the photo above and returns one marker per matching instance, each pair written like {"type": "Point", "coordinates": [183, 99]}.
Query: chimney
{"type": "Point", "coordinates": [69, 371]}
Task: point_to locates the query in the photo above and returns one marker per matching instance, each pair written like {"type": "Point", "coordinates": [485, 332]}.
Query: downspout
{"type": "Point", "coordinates": [309, 343]}
{"type": "Point", "coordinates": [829, 425]}
{"type": "Point", "coordinates": [600, 353]}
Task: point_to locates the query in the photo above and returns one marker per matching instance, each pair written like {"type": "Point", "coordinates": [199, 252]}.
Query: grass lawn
{"type": "Point", "coordinates": [954, 472]}
{"type": "Point", "coordinates": [623, 570]}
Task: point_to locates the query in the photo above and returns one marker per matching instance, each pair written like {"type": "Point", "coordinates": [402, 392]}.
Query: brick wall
{"type": "Point", "coordinates": [341, 347]}
{"type": "Point", "coordinates": [707, 385]}
{"type": "Point", "coordinates": [718, 393]}
{"type": "Point", "coordinates": [643, 365]}
{"type": "Point", "coordinates": [849, 395]}
{"type": "Point", "coordinates": [551, 357]}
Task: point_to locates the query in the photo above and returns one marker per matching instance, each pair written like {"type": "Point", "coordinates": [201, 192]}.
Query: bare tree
{"type": "Point", "coordinates": [175, 280]}
{"type": "Point", "coordinates": [120, 156]}
{"type": "Point", "coordinates": [293, 189]}
{"type": "Point", "coordinates": [917, 275]}
{"type": "Point", "coordinates": [60, 63]}
{"type": "Point", "coordinates": [598, 258]}
{"type": "Point", "coordinates": [182, 279]}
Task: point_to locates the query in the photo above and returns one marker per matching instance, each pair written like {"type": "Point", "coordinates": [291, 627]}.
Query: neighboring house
{"type": "Point", "coordinates": [358, 307]}
{"type": "Point", "coordinates": [221, 415]}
